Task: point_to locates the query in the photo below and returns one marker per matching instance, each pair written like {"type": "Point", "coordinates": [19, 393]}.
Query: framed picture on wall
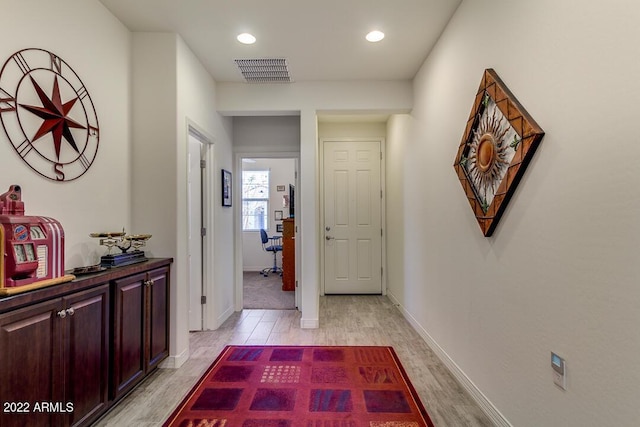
{"type": "Point", "coordinates": [280, 188]}
{"type": "Point", "coordinates": [279, 228]}
{"type": "Point", "coordinates": [277, 215]}
{"type": "Point", "coordinates": [226, 188]}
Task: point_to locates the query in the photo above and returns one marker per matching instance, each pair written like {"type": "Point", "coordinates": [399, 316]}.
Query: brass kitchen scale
{"type": "Point", "coordinates": [129, 244]}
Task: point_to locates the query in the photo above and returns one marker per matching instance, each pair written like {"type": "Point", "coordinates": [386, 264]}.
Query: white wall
{"type": "Point", "coordinates": [559, 274]}
{"type": "Point", "coordinates": [172, 89]}
{"type": "Point", "coordinates": [154, 135]}
{"type": "Point", "coordinates": [327, 97]}
{"type": "Point", "coordinates": [262, 134]}
{"type": "Point", "coordinates": [352, 129]}
{"type": "Point", "coordinates": [396, 201]}
{"type": "Point", "coordinates": [154, 185]}
{"type": "Point", "coordinates": [97, 47]}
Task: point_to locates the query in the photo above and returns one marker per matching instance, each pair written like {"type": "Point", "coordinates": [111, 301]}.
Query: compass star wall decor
{"type": "Point", "coordinates": [48, 115]}
{"type": "Point", "coordinates": [498, 144]}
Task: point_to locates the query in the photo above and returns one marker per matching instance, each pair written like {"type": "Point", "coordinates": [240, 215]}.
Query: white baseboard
{"type": "Point", "coordinates": [174, 362]}
{"type": "Point", "coordinates": [309, 323]}
{"type": "Point", "coordinates": [485, 404]}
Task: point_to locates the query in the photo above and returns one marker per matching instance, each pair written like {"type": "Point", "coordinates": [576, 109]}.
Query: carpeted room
{"type": "Point", "coordinates": [260, 292]}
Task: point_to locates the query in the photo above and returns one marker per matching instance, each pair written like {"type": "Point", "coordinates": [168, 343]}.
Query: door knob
{"type": "Point", "coordinates": [329, 238]}
{"type": "Point", "coordinates": [327, 228]}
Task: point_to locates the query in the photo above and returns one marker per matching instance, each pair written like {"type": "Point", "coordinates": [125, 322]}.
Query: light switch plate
{"type": "Point", "coordinates": [559, 369]}
{"type": "Point", "coordinates": [560, 380]}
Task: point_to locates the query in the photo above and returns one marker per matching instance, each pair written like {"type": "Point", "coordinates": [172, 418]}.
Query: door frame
{"type": "Point", "coordinates": [383, 205]}
{"type": "Point", "coordinates": [207, 220]}
{"type": "Point", "coordinates": [237, 203]}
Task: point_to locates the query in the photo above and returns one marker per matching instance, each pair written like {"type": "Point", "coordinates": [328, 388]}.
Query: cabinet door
{"type": "Point", "coordinates": [30, 363]}
{"type": "Point", "coordinates": [86, 360]}
{"type": "Point", "coordinates": [158, 320]}
{"type": "Point", "coordinates": [128, 339]}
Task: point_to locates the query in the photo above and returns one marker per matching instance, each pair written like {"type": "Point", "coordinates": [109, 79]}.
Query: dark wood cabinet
{"type": "Point", "coordinates": [288, 255]}
{"type": "Point", "coordinates": [69, 352]}
{"type": "Point", "coordinates": [54, 360]}
{"type": "Point", "coordinates": [87, 353]}
{"type": "Point", "coordinates": [157, 318]}
{"type": "Point", "coordinates": [30, 362]}
{"type": "Point", "coordinates": [128, 329]}
{"type": "Point", "coordinates": [141, 327]}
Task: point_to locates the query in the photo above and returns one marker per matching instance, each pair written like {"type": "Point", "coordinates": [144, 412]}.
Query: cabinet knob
{"type": "Point", "coordinates": [71, 311]}
{"type": "Point", "coordinates": [148, 282]}
{"type": "Point", "coordinates": [62, 314]}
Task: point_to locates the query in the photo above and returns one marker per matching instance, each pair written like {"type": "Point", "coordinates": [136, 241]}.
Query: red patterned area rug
{"type": "Point", "coordinates": [305, 386]}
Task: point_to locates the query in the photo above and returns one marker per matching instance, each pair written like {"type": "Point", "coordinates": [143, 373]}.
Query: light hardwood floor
{"type": "Point", "coordinates": [344, 320]}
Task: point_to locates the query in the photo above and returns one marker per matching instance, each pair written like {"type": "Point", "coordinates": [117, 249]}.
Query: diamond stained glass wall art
{"type": "Point", "coordinates": [498, 143]}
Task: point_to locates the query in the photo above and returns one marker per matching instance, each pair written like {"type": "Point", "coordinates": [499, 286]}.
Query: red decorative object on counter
{"type": "Point", "coordinates": [32, 247]}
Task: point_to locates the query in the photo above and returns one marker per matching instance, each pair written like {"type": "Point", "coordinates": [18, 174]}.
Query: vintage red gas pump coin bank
{"type": "Point", "coordinates": [31, 248]}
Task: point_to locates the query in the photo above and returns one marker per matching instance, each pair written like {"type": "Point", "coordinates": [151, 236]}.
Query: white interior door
{"type": "Point", "coordinates": [352, 216]}
{"type": "Point", "coordinates": [194, 254]}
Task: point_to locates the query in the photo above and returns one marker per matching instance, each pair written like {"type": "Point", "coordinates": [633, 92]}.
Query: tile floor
{"type": "Point", "coordinates": [344, 320]}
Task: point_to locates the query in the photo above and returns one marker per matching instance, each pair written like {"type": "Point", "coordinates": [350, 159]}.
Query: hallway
{"type": "Point", "coordinates": [345, 320]}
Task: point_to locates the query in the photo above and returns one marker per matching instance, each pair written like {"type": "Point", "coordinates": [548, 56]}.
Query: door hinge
{"type": "Point", "coordinates": [381, 233]}
{"type": "Point", "coordinates": [381, 194]}
{"type": "Point", "coordinates": [203, 232]}
{"type": "Point", "coordinates": [296, 283]}
{"type": "Point", "coordinates": [295, 174]}
{"type": "Point", "coordinates": [381, 271]}
{"type": "Point", "coordinates": [381, 155]}
{"type": "Point", "coordinates": [203, 299]}
{"type": "Point", "coordinates": [203, 164]}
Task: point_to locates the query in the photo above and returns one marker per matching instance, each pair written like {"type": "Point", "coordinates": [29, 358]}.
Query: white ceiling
{"type": "Point", "coordinates": [322, 40]}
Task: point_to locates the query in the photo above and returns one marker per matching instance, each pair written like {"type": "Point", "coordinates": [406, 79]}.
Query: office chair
{"type": "Point", "coordinates": [275, 247]}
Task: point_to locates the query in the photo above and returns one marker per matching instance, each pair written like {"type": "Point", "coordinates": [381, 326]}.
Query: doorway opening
{"type": "Point", "coordinates": [267, 203]}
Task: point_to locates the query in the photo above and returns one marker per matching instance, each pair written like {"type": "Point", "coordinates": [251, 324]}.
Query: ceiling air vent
{"type": "Point", "coordinates": [264, 70]}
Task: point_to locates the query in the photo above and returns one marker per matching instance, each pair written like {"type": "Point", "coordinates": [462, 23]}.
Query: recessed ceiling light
{"type": "Point", "coordinates": [375, 36]}
{"type": "Point", "coordinates": [246, 38]}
